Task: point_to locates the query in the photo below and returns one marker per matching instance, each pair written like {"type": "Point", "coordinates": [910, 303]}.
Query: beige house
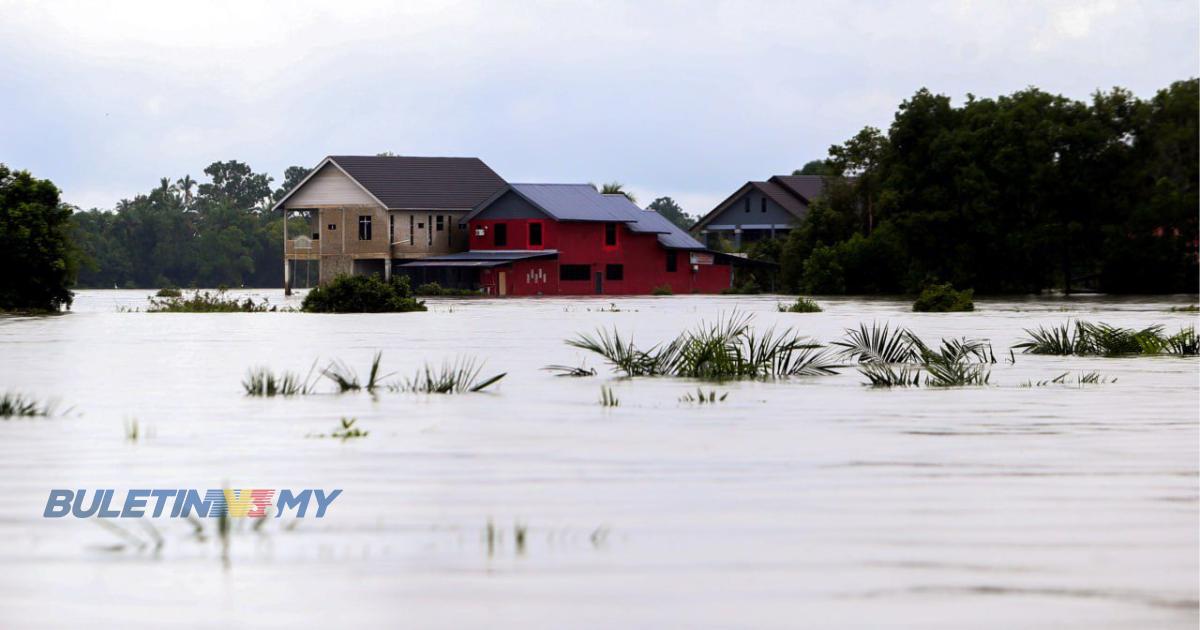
{"type": "Point", "coordinates": [364, 212]}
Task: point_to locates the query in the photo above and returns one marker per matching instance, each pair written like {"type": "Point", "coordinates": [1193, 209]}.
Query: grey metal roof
{"type": "Point", "coordinates": [448, 183]}
{"type": "Point", "coordinates": [670, 235]}
{"type": "Point", "coordinates": [571, 202]}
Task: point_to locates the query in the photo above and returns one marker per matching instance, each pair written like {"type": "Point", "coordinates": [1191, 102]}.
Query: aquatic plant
{"type": "Point", "coordinates": [942, 298]}
{"type": "Point", "coordinates": [348, 430]}
{"type": "Point", "coordinates": [890, 375]}
{"type": "Point", "coordinates": [208, 302]}
{"type": "Point", "coordinates": [168, 292]}
{"type": "Point", "coordinates": [801, 305]}
{"type": "Point", "coordinates": [1100, 339]}
{"type": "Point", "coordinates": [1086, 378]}
{"type": "Point", "coordinates": [262, 381]}
{"type": "Point", "coordinates": [14, 405]}
{"type": "Point", "coordinates": [568, 370]}
{"type": "Point", "coordinates": [727, 348]}
{"type": "Point", "coordinates": [898, 358]}
{"type": "Point", "coordinates": [362, 294]}
{"type": "Point", "coordinates": [608, 398]}
{"type": "Point", "coordinates": [703, 398]}
{"type": "Point", "coordinates": [457, 377]}
{"type": "Point", "coordinates": [342, 376]}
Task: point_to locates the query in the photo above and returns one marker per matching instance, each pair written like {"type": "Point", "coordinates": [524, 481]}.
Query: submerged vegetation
{"type": "Point", "coordinates": [262, 381]}
{"type": "Point", "coordinates": [569, 370]}
{"type": "Point", "coordinates": [801, 305]}
{"type": "Point", "coordinates": [14, 405]}
{"type": "Point", "coordinates": [457, 377]}
{"type": "Point", "coordinates": [436, 290]}
{"type": "Point", "coordinates": [608, 398]}
{"type": "Point", "coordinates": [1100, 339]}
{"type": "Point", "coordinates": [1086, 378]}
{"type": "Point", "coordinates": [168, 292]}
{"type": "Point", "coordinates": [726, 349]}
{"type": "Point", "coordinates": [362, 294]}
{"type": "Point", "coordinates": [703, 398]}
{"type": "Point", "coordinates": [207, 302]}
{"type": "Point", "coordinates": [942, 298]}
{"type": "Point", "coordinates": [662, 289]}
{"type": "Point", "coordinates": [899, 358]}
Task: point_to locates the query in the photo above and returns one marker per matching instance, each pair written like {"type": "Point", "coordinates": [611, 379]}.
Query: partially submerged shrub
{"type": "Point", "coordinates": [801, 305]}
{"type": "Point", "coordinates": [435, 289]}
{"type": "Point", "coordinates": [942, 298]}
{"type": "Point", "coordinates": [728, 348]}
{"type": "Point", "coordinates": [362, 294]}
{"type": "Point", "coordinates": [14, 405]}
{"type": "Point", "coordinates": [207, 302]}
{"type": "Point", "coordinates": [168, 292]}
{"type": "Point", "coordinates": [1100, 339]}
{"type": "Point", "coordinates": [662, 289]}
{"type": "Point", "coordinates": [452, 378]}
{"type": "Point", "coordinates": [898, 358]}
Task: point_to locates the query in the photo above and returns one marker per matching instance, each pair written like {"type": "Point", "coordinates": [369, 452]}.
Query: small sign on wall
{"type": "Point", "coordinates": [536, 276]}
{"type": "Point", "coordinates": [702, 258]}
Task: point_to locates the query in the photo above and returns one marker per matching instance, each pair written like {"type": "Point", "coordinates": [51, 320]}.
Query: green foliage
{"type": "Point", "coordinates": [570, 370]}
{"type": "Point", "coordinates": [37, 264]}
{"type": "Point", "coordinates": [362, 294]}
{"type": "Point", "coordinates": [815, 167]}
{"type": "Point", "coordinates": [726, 349]}
{"type": "Point", "coordinates": [662, 289]}
{"type": "Point", "coordinates": [703, 398]}
{"type": "Point", "coordinates": [14, 405]}
{"type": "Point", "coordinates": [1100, 339]}
{"type": "Point", "coordinates": [801, 305]}
{"type": "Point", "coordinates": [615, 188]}
{"type": "Point", "coordinates": [459, 377]}
{"type": "Point", "coordinates": [898, 358]}
{"type": "Point", "coordinates": [667, 207]}
{"type": "Point", "coordinates": [263, 382]}
{"type": "Point", "coordinates": [1019, 193]}
{"type": "Point", "coordinates": [942, 298]}
{"type": "Point", "coordinates": [168, 292]}
{"type": "Point", "coordinates": [436, 290]}
{"type": "Point", "coordinates": [207, 302]}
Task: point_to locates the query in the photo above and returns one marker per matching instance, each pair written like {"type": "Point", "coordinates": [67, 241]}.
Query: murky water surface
{"type": "Point", "coordinates": [812, 502]}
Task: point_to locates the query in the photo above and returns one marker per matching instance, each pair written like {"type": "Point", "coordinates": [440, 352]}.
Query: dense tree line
{"type": "Point", "coordinates": [1019, 193]}
{"type": "Point", "coordinates": [35, 248]}
{"type": "Point", "coordinates": [188, 234]}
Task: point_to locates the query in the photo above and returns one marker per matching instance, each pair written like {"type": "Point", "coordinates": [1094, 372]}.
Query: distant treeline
{"type": "Point", "coordinates": [187, 234]}
{"type": "Point", "coordinates": [1016, 194]}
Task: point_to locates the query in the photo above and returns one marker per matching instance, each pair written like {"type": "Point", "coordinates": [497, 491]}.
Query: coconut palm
{"type": "Point", "coordinates": [616, 188]}
{"type": "Point", "coordinates": [185, 185]}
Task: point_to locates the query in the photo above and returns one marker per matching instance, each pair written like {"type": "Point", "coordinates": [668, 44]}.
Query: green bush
{"type": "Point", "coordinates": [362, 294]}
{"type": "Point", "coordinates": [942, 298]}
{"type": "Point", "coordinates": [801, 305]}
{"type": "Point", "coordinates": [207, 302]}
{"type": "Point", "coordinates": [662, 289]}
{"type": "Point", "coordinates": [435, 289]}
{"type": "Point", "coordinates": [168, 292]}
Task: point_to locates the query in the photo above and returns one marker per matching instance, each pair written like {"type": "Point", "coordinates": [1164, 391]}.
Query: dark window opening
{"type": "Point", "coordinates": [574, 272]}
{"type": "Point", "coordinates": [332, 226]}
{"type": "Point", "coordinates": [411, 232]}
{"type": "Point", "coordinates": [763, 203]}
{"type": "Point", "coordinates": [672, 262]}
{"type": "Point", "coordinates": [421, 225]}
{"type": "Point", "coordinates": [441, 224]}
{"type": "Point", "coordinates": [429, 233]}
{"type": "Point", "coordinates": [391, 228]}
{"type": "Point", "coordinates": [535, 234]}
{"type": "Point", "coordinates": [610, 234]}
{"type": "Point", "coordinates": [364, 228]}
{"type": "Point", "coordinates": [746, 203]}
{"type": "Point", "coordinates": [614, 272]}
{"type": "Point", "coordinates": [500, 233]}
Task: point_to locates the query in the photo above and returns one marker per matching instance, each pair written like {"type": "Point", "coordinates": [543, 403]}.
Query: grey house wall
{"type": "Point", "coordinates": [736, 215]}
{"type": "Point", "coordinates": [510, 205]}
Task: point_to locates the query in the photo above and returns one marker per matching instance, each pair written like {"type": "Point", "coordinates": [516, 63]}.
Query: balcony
{"type": "Point", "coordinates": [302, 248]}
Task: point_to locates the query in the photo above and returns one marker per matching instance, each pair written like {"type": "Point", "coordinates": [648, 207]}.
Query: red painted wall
{"type": "Point", "coordinates": [582, 243]}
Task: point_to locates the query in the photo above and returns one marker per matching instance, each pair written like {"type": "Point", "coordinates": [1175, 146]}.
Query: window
{"type": "Point", "coordinates": [746, 202]}
{"type": "Point", "coordinates": [610, 234]}
{"type": "Point", "coordinates": [332, 227]}
{"type": "Point", "coordinates": [412, 234]}
{"type": "Point", "coordinates": [364, 228]}
{"type": "Point", "coordinates": [391, 228]}
{"type": "Point", "coordinates": [614, 272]}
{"type": "Point", "coordinates": [574, 272]}
{"type": "Point", "coordinates": [500, 233]}
{"type": "Point", "coordinates": [672, 262]}
{"type": "Point", "coordinates": [763, 203]}
{"type": "Point", "coordinates": [535, 234]}
{"type": "Point", "coordinates": [441, 225]}
{"type": "Point", "coordinates": [429, 232]}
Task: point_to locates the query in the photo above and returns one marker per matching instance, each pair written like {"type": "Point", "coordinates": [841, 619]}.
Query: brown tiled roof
{"type": "Point", "coordinates": [449, 183]}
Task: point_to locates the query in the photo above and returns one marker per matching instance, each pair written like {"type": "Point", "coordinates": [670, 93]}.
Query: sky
{"type": "Point", "coordinates": [682, 99]}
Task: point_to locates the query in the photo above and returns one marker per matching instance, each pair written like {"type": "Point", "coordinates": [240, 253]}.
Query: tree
{"type": "Point", "coordinates": [35, 250]}
{"type": "Point", "coordinates": [185, 185]}
{"type": "Point", "coordinates": [616, 188]}
{"type": "Point", "coordinates": [815, 167]}
{"type": "Point", "coordinates": [291, 178]}
{"type": "Point", "coordinates": [672, 212]}
{"type": "Point", "coordinates": [234, 183]}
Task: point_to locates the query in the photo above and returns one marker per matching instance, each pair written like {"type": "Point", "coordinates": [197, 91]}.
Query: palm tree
{"type": "Point", "coordinates": [616, 188]}
{"type": "Point", "coordinates": [185, 185]}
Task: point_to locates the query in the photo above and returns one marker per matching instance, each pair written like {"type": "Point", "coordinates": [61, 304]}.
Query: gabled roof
{"type": "Point", "coordinates": [421, 183]}
{"type": "Point", "coordinates": [581, 202]}
{"type": "Point", "coordinates": [807, 187]}
{"type": "Point", "coordinates": [783, 197]}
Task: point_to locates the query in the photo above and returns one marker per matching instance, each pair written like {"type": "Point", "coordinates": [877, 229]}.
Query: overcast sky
{"type": "Point", "coordinates": [687, 99]}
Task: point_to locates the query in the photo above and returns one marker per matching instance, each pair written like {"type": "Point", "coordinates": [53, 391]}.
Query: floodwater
{"type": "Point", "coordinates": [813, 502]}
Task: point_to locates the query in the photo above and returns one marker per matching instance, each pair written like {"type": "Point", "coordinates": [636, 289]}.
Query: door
{"type": "Point", "coordinates": [502, 282]}
{"type": "Point", "coordinates": [599, 282]}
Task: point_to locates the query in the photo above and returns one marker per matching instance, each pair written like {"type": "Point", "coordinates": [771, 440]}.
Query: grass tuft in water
{"type": "Point", "coordinates": [262, 381]}
{"type": "Point", "coordinates": [608, 398]}
{"type": "Point", "coordinates": [703, 398]}
{"type": "Point", "coordinates": [569, 370]}
{"type": "Point", "coordinates": [14, 405]}
{"type": "Point", "coordinates": [460, 376]}
{"type": "Point", "coordinates": [1086, 378]}
{"type": "Point", "coordinates": [726, 349]}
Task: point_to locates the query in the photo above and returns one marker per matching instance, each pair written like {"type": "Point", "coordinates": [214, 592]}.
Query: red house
{"type": "Point", "coordinates": [568, 239]}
